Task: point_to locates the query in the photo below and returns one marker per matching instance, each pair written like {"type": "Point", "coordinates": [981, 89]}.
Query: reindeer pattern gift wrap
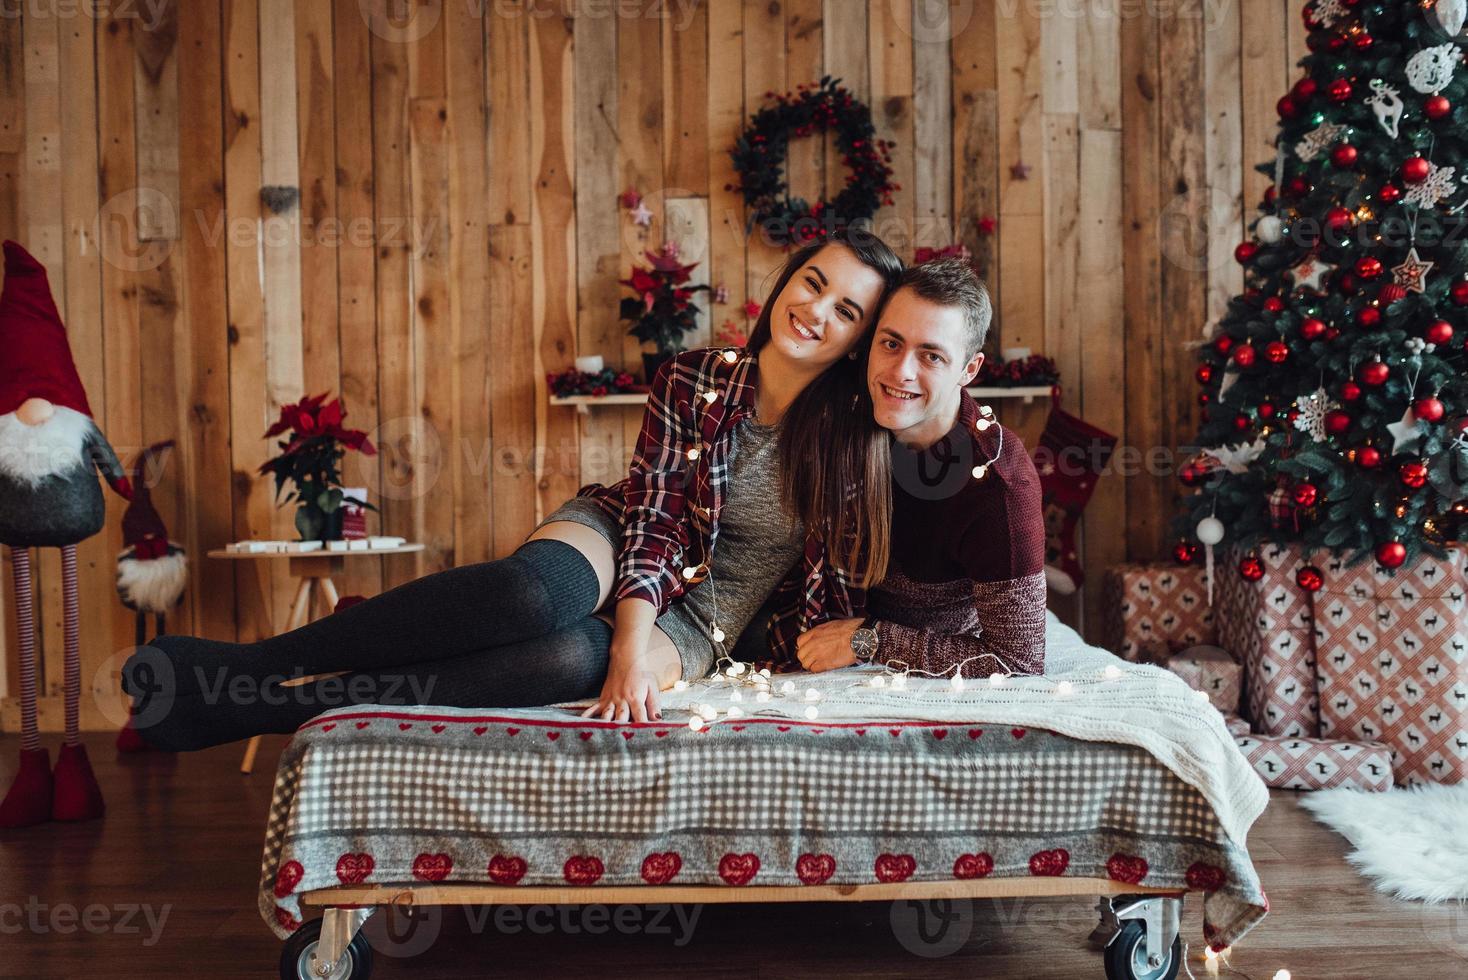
{"type": "Point", "coordinates": [1267, 625]}
{"type": "Point", "coordinates": [1393, 663]}
{"type": "Point", "coordinates": [1213, 671]}
{"type": "Point", "coordinates": [1154, 611]}
{"type": "Point", "coordinates": [1288, 762]}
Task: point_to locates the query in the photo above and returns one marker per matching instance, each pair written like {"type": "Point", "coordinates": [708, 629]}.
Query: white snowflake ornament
{"type": "Point", "coordinates": [1436, 188]}
{"type": "Point", "coordinates": [1329, 11]}
{"type": "Point", "coordinates": [1318, 140]}
{"type": "Point", "coordinates": [1430, 70]}
{"type": "Point", "coordinates": [1313, 408]}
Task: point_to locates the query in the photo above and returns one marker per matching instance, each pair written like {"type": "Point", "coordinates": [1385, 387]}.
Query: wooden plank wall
{"type": "Point", "coordinates": [415, 203]}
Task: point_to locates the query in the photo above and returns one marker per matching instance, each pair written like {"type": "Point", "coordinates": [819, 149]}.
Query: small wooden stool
{"type": "Point", "coordinates": [314, 569]}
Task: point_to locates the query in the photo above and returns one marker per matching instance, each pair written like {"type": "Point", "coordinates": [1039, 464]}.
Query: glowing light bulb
{"type": "Point", "coordinates": [956, 683]}
{"type": "Point", "coordinates": [730, 357]}
{"type": "Point", "coordinates": [764, 672]}
{"type": "Point", "coordinates": [900, 682]}
{"type": "Point", "coordinates": [1112, 672]}
{"type": "Point", "coordinates": [709, 396]}
{"type": "Point", "coordinates": [763, 696]}
{"type": "Point", "coordinates": [708, 711]}
{"type": "Point", "coordinates": [811, 694]}
{"type": "Point", "coordinates": [996, 679]}
{"type": "Point", "coordinates": [787, 687]}
{"type": "Point", "coordinates": [980, 471]}
{"type": "Point", "coordinates": [695, 723]}
{"type": "Point", "coordinates": [982, 424]}
{"type": "Point", "coordinates": [1064, 689]}
{"type": "Point", "coordinates": [1281, 975]}
{"type": "Point", "coordinates": [718, 637]}
{"type": "Point", "coordinates": [690, 572]}
{"type": "Point", "coordinates": [879, 681]}
{"type": "Point", "coordinates": [738, 668]}
{"type": "Point", "coordinates": [693, 454]}
{"type": "Point", "coordinates": [812, 712]}
{"type": "Point", "coordinates": [680, 685]}
{"type": "Point", "coordinates": [735, 711]}
{"type": "Point", "coordinates": [735, 696]}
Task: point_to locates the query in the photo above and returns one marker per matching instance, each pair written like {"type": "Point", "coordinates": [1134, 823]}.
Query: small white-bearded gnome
{"type": "Point", "coordinates": [151, 571]}
{"type": "Point", "coordinates": [50, 452]}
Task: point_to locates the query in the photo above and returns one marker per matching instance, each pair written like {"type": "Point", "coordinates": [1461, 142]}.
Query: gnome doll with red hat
{"type": "Point", "coordinates": [50, 453]}
{"type": "Point", "coordinates": [151, 570]}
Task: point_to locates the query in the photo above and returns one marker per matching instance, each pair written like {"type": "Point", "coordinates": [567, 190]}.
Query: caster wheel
{"type": "Point", "coordinates": [1126, 956]}
{"type": "Point", "coordinates": [298, 959]}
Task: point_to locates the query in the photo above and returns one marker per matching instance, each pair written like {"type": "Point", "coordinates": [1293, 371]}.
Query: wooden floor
{"type": "Point", "coordinates": [167, 883]}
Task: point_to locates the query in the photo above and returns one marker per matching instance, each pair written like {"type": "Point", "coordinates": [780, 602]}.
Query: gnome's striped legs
{"type": "Point", "coordinates": [73, 642]}
{"type": "Point", "coordinates": [20, 561]}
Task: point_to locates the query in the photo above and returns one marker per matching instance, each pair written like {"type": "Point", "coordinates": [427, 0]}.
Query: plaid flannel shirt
{"type": "Point", "coordinates": [670, 502]}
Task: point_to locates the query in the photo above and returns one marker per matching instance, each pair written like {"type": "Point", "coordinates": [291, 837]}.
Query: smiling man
{"type": "Point", "coordinates": [965, 589]}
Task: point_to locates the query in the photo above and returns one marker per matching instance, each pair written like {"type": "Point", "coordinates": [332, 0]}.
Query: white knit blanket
{"type": "Point", "coordinates": [1132, 704]}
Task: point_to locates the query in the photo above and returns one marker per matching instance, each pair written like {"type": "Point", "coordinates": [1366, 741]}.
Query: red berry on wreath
{"type": "Point", "coordinates": [1438, 332]}
{"type": "Point", "coordinates": [1389, 193]}
{"type": "Point", "coordinates": [1350, 391]}
{"type": "Point", "coordinates": [1312, 328]}
{"type": "Point", "coordinates": [1391, 554]}
{"type": "Point", "coordinates": [1244, 355]}
{"type": "Point", "coordinates": [1251, 568]}
{"type": "Point", "coordinates": [1373, 374]}
{"type": "Point", "coordinates": [1306, 494]}
{"type": "Point", "coordinates": [1415, 170]}
{"type": "Point", "coordinates": [1337, 422]}
{"type": "Point", "coordinates": [1413, 474]}
{"type": "Point", "coordinates": [1276, 351]}
{"type": "Point", "coordinates": [1428, 409]}
{"type": "Point", "coordinates": [1245, 252]}
{"type": "Point", "coordinates": [1436, 106]}
{"type": "Point", "coordinates": [1309, 578]}
{"type": "Point", "coordinates": [1339, 90]}
{"type": "Point", "coordinates": [1368, 457]}
{"type": "Point", "coordinates": [1343, 156]}
{"type": "Point", "coordinates": [1368, 267]}
{"type": "Point", "coordinates": [1369, 316]}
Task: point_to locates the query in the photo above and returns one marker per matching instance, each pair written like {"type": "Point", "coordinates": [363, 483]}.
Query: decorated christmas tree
{"type": "Point", "coordinates": [1335, 403]}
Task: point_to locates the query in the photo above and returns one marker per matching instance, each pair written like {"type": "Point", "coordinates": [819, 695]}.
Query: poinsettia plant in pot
{"type": "Point", "coordinates": [662, 311]}
{"type": "Point", "coordinates": [310, 458]}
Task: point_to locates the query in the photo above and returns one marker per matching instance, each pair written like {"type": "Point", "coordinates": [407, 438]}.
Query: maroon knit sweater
{"type": "Point", "coordinates": [966, 585]}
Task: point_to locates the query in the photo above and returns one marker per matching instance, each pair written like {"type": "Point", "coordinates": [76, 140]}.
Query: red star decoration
{"type": "Point", "coordinates": [1020, 171]}
{"type": "Point", "coordinates": [986, 225]}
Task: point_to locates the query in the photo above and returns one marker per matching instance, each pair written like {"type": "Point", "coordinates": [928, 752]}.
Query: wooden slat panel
{"type": "Point", "coordinates": [889, 47]}
{"type": "Point", "coordinates": [155, 89]}
{"type": "Point", "coordinates": [686, 223]}
{"type": "Point", "coordinates": [1098, 58]}
{"type": "Point", "coordinates": [976, 142]}
{"type": "Point", "coordinates": [320, 223]}
{"type": "Point", "coordinates": [686, 82]}
{"type": "Point", "coordinates": [932, 124]}
{"type": "Point", "coordinates": [805, 63]}
{"type": "Point", "coordinates": [1223, 140]}
{"type": "Point", "coordinates": [600, 259]}
{"type": "Point", "coordinates": [513, 386]}
{"type": "Point", "coordinates": [1064, 307]}
{"type": "Point", "coordinates": [764, 71]}
{"type": "Point", "coordinates": [640, 153]}
{"type": "Point", "coordinates": [1263, 45]}
{"type": "Point", "coordinates": [553, 243]}
{"type": "Point", "coordinates": [509, 120]}
{"type": "Point", "coordinates": [726, 118]}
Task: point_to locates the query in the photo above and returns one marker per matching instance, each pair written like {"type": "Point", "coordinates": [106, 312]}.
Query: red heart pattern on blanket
{"type": "Point", "coordinates": [432, 867]}
{"type": "Point", "coordinates": [975, 732]}
{"type": "Point", "coordinates": [327, 728]}
{"type": "Point", "coordinates": [814, 869]}
{"type": "Point", "coordinates": [940, 733]}
{"type": "Point", "coordinates": [1126, 867]}
{"type": "Point", "coordinates": [552, 735]}
{"type": "Point", "coordinates": [659, 869]}
{"type": "Point", "coordinates": [506, 870]}
{"type": "Point", "coordinates": [362, 724]}
{"type": "Point", "coordinates": [738, 869]}
{"type": "Point", "coordinates": [403, 726]}
{"type": "Point", "coordinates": [288, 877]}
{"type": "Point", "coordinates": [628, 735]}
{"type": "Point", "coordinates": [894, 732]}
{"type": "Point", "coordinates": [353, 869]}
{"type": "Point", "coordinates": [1205, 877]}
{"type": "Point", "coordinates": [438, 729]}
{"type": "Point", "coordinates": [894, 867]}
{"type": "Point", "coordinates": [861, 731]}
{"type": "Point", "coordinates": [1050, 864]}
{"type": "Point", "coordinates": [287, 921]}
{"type": "Point", "coordinates": [480, 729]}
{"type": "Point", "coordinates": [973, 865]}
{"type": "Point", "coordinates": [1017, 732]}
{"type": "Point", "coordinates": [783, 728]}
{"type": "Point", "coordinates": [662, 734]}
{"type": "Point", "coordinates": [583, 869]}
{"type": "Point", "coordinates": [585, 735]}
{"type": "Point", "coordinates": [512, 731]}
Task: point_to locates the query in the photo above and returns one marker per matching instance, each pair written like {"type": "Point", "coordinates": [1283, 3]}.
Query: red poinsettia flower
{"type": "Point", "coordinates": [752, 309]}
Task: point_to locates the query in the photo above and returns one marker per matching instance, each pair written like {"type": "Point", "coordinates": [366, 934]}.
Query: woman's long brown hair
{"type": "Point", "coordinates": [836, 470]}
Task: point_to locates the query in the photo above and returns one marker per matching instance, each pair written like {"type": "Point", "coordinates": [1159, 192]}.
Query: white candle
{"type": "Point", "coordinates": [590, 364]}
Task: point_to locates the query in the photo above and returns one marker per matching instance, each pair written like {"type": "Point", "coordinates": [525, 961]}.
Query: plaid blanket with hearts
{"type": "Point", "coordinates": [542, 797]}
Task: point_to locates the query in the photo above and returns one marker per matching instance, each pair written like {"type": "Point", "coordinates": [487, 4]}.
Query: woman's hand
{"type": "Point", "coordinates": [630, 692]}
{"type": "Point", "coordinates": [827, 646]}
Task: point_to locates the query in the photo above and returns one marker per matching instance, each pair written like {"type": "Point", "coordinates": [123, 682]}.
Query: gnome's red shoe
{"type": "Point", "coordinates": [29, 799]}
{"type": "Point", "coordinates": [129, 741]}
{"type": "Point", "coordinates": [77, 797]}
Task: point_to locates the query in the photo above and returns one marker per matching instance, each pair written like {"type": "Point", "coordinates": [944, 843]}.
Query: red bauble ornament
{"type": "Point", "coordinates": [1244, 355]}
{"type": "Point", "coordinates": [1286, 107]}
{"type": "Point", "coordinates": [1364, 41]}
{"type": "Point", "coordinates": [1428, 409]}
{"type": "Point", "coordinates": [1415, 170]}
{"type": "Point", "coordinates": [1332, 333]}
{"type": "Point", "coordinates": [1309, 578]}
{"type": "Point", "coordinates": [1338, 90]}
{"type": "Point", "coordinates": [1343, 156]}
{"type": "Point", "coordinates": [1368, 267]}
{"type": "Point", "coordinates": [1373, 374]}
{"type": "Point", "coordinates": [1459, 293]}
{"type": "Point", "coordinates": [1337, 422]}
{"type": "Point", "coordinates": [1223, 343]}
{"type": "Point", "coordinates": [1303, 90]}
{"type": "Point", "coordinates": [1297, 186]}
{"type": "Point", "coordinates": [1412, 474]}
{"type": "Point", "coordinates": [1368, 316]}
{"type": "Point", "coordinates": [1438, 332]}
{"type": "Point", "coordinates": [1251, 568]}
{"type": "Point", "coordinates": [1389, 193]}
{"type": "Point", "coordinates": [1312, 328]}
{"type": "Point", "coordinates": [1242, 422]}
{"type": "Point", "coordinates": [1337, 218]}
{"type": "Point", "coordinates": [1245, 252]}
{"type": "Point", "coordinates": [1368, 457]}
{"type": "Point", "coordinates": [1391, 554]}
{"type": "Point", "coordinates": [1271, 194]}
{"type": "Point", "coordinates": [1291, 415]}
{"type": "Point", "coordinates": [1436, 106]}
{"type": "Point", "coordinates": [1204, 398]}
{"type": "Point", "coordinates": [1266, 410]}
{"type": "Point", "coordinates": [1273, 304]}
{"type": "Point", "coordinates": [1334, 43]}
{"type": "Point", "coordinates": [1185, 552]}
{"type": "Point", "coordinates": [1390, 293]}
{"type": "Point", "coordinates": [1204, 374]}
{"type": "Point", "coordinates": [1305, 494]}
{"type": "Point", "coordinates": [1276, 351]}
{"type": "Point", "coordinates": [1350, 391]}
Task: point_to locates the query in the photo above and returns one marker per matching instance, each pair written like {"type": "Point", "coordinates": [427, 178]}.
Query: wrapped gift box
{"type": "Point", "coordinates": [1288, 762]}
{"type": "Point", "coordinates": [1236, 726]}
{"type": "Point", "coordinates": [1214, 672]}
{"type": "Point", "coordinates": [1267, 625]}
{"type": "Point", "coordinates": [1393, 662]}
{"type": "Point", "coordinates": [1154, 611]}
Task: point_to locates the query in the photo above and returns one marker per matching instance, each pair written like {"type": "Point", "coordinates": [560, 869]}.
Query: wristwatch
{"type": "Point", "coordinates": [864, 641]}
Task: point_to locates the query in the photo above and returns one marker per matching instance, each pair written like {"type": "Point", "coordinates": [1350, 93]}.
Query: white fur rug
{"type": "Point", "coordinates": [1409, 841]}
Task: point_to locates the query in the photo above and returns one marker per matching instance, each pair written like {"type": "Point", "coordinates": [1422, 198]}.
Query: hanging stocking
{"type": "Point", "coordinates": [77, 795]}
{"type": "Point", "coordinates": [29, 798]}
{"type": "Point", "coordinates": [1070, 459]}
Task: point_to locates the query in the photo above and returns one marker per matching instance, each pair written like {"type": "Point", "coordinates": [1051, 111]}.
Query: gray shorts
{"type": "Point", "coordinates": [695, 648]}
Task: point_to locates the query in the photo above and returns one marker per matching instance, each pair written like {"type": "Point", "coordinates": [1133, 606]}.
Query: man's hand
{"type": "Point", "coordinates": [827, 646]}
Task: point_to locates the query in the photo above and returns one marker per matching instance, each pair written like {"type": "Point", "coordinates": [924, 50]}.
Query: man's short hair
{"type": "Point", "coordinates": [953, 282]}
